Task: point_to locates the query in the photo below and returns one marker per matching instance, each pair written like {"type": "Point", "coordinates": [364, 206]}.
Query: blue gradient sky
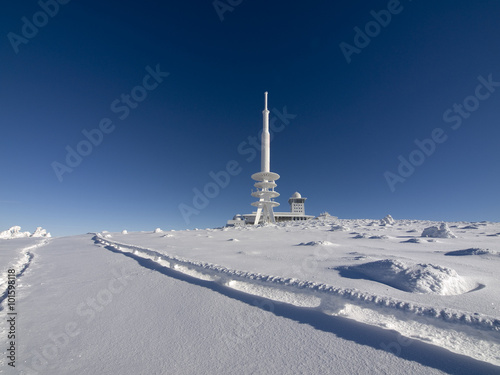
{"type": "Point", "coordinates": [353, 120]}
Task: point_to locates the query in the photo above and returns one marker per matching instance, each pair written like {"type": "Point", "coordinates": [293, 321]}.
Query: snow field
{"type": "Point", "coordinates": [471, 334]}
{"type": "Point", "coordinates": [205, 301]}
{"type": "Point", "coordinates": [81, 317]}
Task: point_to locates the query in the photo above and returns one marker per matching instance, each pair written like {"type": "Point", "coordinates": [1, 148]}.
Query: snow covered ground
{"type": "Point", "coordinates": [318, 297]}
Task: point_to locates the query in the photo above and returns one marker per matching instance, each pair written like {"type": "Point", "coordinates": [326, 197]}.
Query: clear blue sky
{"type": "Point", "coordinates": [353, 119]}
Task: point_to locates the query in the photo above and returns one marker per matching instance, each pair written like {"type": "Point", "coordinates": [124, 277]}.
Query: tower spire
{"type": "Point", "coordinates": [265, 185]}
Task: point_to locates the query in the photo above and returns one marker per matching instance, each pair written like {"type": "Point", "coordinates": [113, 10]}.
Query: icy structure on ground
{"type": "Point", "coordinates": [388, 220]}
{"type": "Point", "coordinates": [442, 232]}
{"type": "Point", "coordinates": [15, 232]}
{"type": "Point", "coordinates": [413, 278]}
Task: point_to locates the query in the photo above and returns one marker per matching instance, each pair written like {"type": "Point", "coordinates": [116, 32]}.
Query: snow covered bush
{"type": "Point", "coordinates": [15, 232]}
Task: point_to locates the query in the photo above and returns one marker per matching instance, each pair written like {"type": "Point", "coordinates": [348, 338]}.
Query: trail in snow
{"type": "Point", "coordinates": [20, 266]}
{"type": "Point", "coordinates": [467, 334]}
{"type": "Point", "coordinates": [364, 334]}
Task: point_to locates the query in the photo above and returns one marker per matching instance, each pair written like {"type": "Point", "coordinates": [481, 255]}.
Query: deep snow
{"type": "Point", "coordinates": [297, 298]}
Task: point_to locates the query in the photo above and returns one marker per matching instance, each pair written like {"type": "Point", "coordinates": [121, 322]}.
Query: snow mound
{"type": "Point", "coordinates": [472, 251]}
{"type": "Point", "coordinates": [341, 228]}
{"type": "Point", "coordinates": [408, 277]}
{"type": "Point", "coordinates": [124, 231]}
{"type": "Point", "coordinates": [382, 237]}
{"type": "Point", "coordinates": [388, 220]}
{"type": "Point", "coordinates": [363, 235]}
{"type": "Point", "coordinates": [158, 230]}
{"type": "Point", "coordinates": [470, 227]}
{"type": "Point", "coordinates": [234, 240]}
{"type": "Point", "coordinates": [412, 240]}
{"type": "Point", "coordinates": [442, 232]}
{"type": "Point", "coordinates": [15, 232]}
{"type": "Point", "coordinates": [317, 243]}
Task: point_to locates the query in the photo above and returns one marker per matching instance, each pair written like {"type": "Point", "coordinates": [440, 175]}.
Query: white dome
{"type": "Point", "coordinates": [296, 195]}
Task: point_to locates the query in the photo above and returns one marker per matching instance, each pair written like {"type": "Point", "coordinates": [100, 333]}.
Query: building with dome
{"type": "Point", "coordinates": [297, 213]}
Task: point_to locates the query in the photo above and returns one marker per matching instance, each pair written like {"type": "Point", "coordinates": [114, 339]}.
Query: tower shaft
{"type": "Point", "coordinates": [265, 178]}
{"type": "Point", "coordinates": [265, 160]}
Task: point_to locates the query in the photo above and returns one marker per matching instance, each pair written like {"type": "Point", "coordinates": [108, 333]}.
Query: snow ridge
{"type": "Point", "coordinates": [224, 275]}
{"type": "Point", "coordinates": [471, 334]}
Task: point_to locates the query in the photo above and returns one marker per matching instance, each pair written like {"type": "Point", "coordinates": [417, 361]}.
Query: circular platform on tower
{"type": "Point", "coordinates": [265, 176]}
{"type": "Point", "coordinates": [261, 203]}
{"type": "Point", "coordinates": [265, 194]}
{"type": "Point", "coordinates": [265, 185]}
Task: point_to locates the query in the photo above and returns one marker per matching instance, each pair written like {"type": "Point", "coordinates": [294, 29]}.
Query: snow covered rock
{"type": "Point", "coordinates": [158, 230]}
{"type": "Point", "coordinates": [442, 232]}
{"type": "Point", "coordinates": [124, 231]}
{"type": "Point", "coordinates": [388, 220]}
{"type": "Point", "coordinates": [413, 278]}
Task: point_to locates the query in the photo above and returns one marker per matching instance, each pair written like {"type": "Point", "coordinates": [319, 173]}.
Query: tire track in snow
{"type": "Point", "coordinates": [460, 332]}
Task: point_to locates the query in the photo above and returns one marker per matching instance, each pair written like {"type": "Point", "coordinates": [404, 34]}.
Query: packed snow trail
{"type": "Point", "coordinates": [466, 334]}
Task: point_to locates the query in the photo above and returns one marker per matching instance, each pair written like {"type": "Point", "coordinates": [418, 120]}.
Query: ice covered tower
{"type": "Point", "coordinates": [265, 178]}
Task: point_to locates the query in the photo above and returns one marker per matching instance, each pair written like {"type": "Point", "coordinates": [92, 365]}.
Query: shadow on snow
{"type": "Point", "coordinates": [363, 334]}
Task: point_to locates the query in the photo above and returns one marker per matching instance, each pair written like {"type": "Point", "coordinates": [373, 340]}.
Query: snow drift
{"type": "Point", "coordinates": [412, 278]}
{"type": "Point", "coordinates": [442, 232]}
{"type": "Point", "coordinates": [471, 251]}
